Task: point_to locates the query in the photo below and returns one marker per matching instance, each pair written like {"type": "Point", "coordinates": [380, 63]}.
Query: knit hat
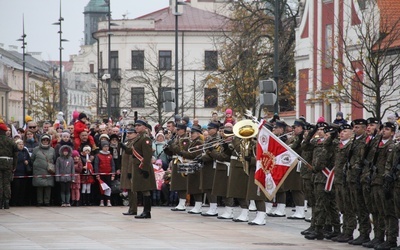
{"type": "Point", "coordinates": [75, 115]}
{"type": "Point", "coordinates": [87, 148]}
{"type": "Point", "coordinates": [321, 119]}
{"type": "Point", "coordinates": [228, 111]}
{"type": "Point", "coordinates": [81, 116]}
{"type": "Point", "coordinates": [45, 136]}
{"type": "Point", "coordinates": [340, 113]}
{"type": "Point", "coordinates": [28, 118]}
{"type": "Point", "coordinates": [104, 136]}
{"type": "Point", "coordinates": [75, 153]}
{"type": "Point", "coordinates": [186, 119]}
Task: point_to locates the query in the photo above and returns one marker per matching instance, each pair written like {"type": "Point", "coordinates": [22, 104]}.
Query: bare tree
{"type": "Point", "coordinates": [247, 54]}
{"type": "Point", "coordinates": [42, 101]}
{"type": "Point", "coordinates": [367, 75]}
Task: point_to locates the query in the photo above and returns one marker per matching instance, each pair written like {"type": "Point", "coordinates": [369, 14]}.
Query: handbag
{"type": "Point", "coordinates": [51, 168]}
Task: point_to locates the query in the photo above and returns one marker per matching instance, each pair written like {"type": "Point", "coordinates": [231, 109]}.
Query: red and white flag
{"type": "Point", "coordinates": [104, 188]}
{"type": "Point", "coordinates": [275, 160]}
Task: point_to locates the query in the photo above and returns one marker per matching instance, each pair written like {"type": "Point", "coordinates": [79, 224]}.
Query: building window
{"type": "Point", "coordinates": [137, 59]}
{"type": "Point", "coordinates": [211, 60]}
{"type": "Point", "coordinates": [91, 68]}
{"type": "Point", "coordinates": [210, 97]}
{"type": "Point", "coordinates": [328, 46]}
{"type": "Point", "coordinates": [101, 60]}
{"type": "Point", "coordinates": [114, 97]}
{"type": "Point", "coordinates": [114, 59]}
{"type": "Point", "coordinates": [362, 4]}
{"type": "Point", "coordinates": [165, 60]}
{"type": "Point", "coordinates": [137, 97]}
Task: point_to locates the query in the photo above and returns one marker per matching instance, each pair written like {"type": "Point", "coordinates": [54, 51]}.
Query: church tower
{"type": "Point", "coordinates": [95, 11]}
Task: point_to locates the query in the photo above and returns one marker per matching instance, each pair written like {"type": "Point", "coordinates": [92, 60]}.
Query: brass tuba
{"type": "Point", "coordinates": [246, 130]}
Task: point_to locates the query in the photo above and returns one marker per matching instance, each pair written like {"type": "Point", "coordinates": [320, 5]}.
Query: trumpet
{"type": "Point", "coordinates": [210, 144]}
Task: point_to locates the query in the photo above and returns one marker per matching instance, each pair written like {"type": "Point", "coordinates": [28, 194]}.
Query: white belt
{"type": "Point", "coordinates": [175, 156]}
{"type": "Point", "coordinates": [234, 157]}
{"type": "Point", "coordinates": [227, 164]}
{"type": "Point", "coordinates": [6, 157]}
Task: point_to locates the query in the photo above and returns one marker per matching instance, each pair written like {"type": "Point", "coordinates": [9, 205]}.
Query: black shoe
{"type": "Point", "coordinates": [331, 235]}
{"type": "Point", "coordinates": [209, 215]}
{"type": "Point", "coordinates": [6, 205]}
{"type": "Point", "coordinates": [191, 212]}
{"type": "Point", "coordinates": [130, 213]}
{"type": "Point", "coordinates": [387, 245]}
{"type": "Point", "coordinates": [307, 231]}
{"type": "Point", "coordinates": [360, 240]}
{"type": "Point", "coordinates": [307, 219]}
{"type": "Point", "coordinates": [314, 235]}
{"type": "Point", "coordinates": [345, 238]}
{"type": "Point", "coordinates": [144, 215]}
{"type": "Point", "coordinates": [178, 209]}
{"type": "Point", "coordinates": [335, 238]}
{"type": "Point", "coordinates": [371, 244]}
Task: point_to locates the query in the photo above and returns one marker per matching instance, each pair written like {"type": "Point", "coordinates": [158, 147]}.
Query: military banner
{"type": "Point", "coordinates": [275, 160]}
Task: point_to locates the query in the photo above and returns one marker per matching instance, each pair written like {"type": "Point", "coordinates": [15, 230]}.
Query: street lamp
{"type": "Point", "coordinates": [61, 49]}
{"type": "Point", "coordinates": [276, 55]}
{"type": "Point", "coordinates": [177, 14]}
{"type": "Point", "coordinates": [22, 39]}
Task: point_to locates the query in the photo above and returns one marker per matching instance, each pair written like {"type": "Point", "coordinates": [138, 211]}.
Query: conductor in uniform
{"type": "Point", "coordinates": [143, 179]}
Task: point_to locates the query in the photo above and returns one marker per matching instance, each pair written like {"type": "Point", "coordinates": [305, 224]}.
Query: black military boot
{"type": "Point", "coordinates": [317, 234]}
{"type": "Point", "coordinates": [307, 231]}
{"type": "Point", "coordinates": [387, 245]}
{"type": "Point", "coordinates": [344, 238]}
{"type": "Point", "coordinates": [146, 209]}
{"type": "Point", "coordinates": [373, 243]}
{"type": "Point", "coordinates": [360, 240]}
{"type": "Point", "coordinates": [6, 204]}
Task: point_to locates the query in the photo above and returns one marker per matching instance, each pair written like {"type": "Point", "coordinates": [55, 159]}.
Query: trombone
{"type": "Point", "coordinates": [209, 144]}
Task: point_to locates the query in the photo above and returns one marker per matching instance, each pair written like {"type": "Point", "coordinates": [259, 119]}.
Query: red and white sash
{"type": "Point", "coordinates": [138, 156]}
{"type": "Point", "coordinates": [330, 176]}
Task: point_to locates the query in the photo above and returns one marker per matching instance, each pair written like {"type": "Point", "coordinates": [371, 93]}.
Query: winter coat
{"type": "Point", "coordinates": [60, 144]}
{"type": "Point", "coordinates": [126, 165]}
{"type": "Point", "coordinates": [65, 165]}
{"type": "Point", "coordinates": [78, 170]}
{"type": "Point", "coordinates": [158, 153]}
{"type": "Point", "coordinates": [40, 156]}
{"type": "Point", "coordinates": [22, 168]}
{"type": "Point", "coordinates": [30, 145]}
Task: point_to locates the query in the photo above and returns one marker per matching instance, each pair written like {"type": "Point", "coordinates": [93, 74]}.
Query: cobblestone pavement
{"type": "Point", "coordinates": [107, 228]}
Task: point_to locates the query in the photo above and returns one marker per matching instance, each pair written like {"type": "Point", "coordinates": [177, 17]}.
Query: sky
{"type": "Point", "coordinates": [42, 36]}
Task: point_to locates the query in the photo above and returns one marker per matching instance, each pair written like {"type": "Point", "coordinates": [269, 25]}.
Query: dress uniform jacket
{"type": "Point", "coordinates": [368, 152]}
{"type": "Point", "coordinates": [237, 181]}
{"type": "Point", "coordinates": [193, 180]}
{"type": "Point", "coordinates": [222, 156]}
{"type": "Point", "coordinates": [126, 165]}
{"type": "Point", "coordinates": [307, 149]}
{"type": "Point", "coordinates": [143, 146]}
{"type": "Point", "coordinates": [353, 172]}
{"type": "Point", "coordinates": [179, 145]}
{"type": "Point", "coordinates": [207, 172]}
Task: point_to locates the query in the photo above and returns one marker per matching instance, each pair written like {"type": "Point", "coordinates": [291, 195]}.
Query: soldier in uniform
{"type": "Point", "coordinates": [193, 180]}
{"type": "Point", "coordinates": [325, 206]}
{"type": "Point", "coordinates": [222, 155]}
{"type": "Point", "coordinates": [342, 194]}
{"type": "Point", "coordinates": [126, 170]}
{"type": "Point", "coordinates": [307, 148]}
{"type": "Point", "coordinates": [178, 182]}
{"type": "Point", "coordinates": [353, 182]}
{"type": "Point", "coordinates": [380, 202]}
{"type": "Point", "coordinates": [207, 172]}
{"type": "Point", "coordinates": [143, 179]}
{"type": "Point", "coordinates": [294, 182]}
{"type": "Point", "coordinates": [8, 163]}
{"type": "Point", "coordinates": [280, 198]}
{"type": "Point", "coordinates": [367, 156]}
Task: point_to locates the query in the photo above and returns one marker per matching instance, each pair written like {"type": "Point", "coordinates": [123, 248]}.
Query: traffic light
{"type": "Point", "coordinates": [169, 100]}
{"type": "Point", "coordinates": [268, 92]}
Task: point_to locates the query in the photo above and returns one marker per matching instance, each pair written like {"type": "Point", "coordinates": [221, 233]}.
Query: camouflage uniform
{"type": "Point", "coordinates": [356, 195]}
{"type": "Point", "coordinates": [8, 163]}
{"type": "Point", "coordinates": [386, 218]}
{"type": "Point", "coordinates": [342, 191]}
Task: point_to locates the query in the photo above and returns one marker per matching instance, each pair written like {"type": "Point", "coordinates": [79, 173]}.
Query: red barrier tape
{"type": "Point", "coordinates": [50, 175]}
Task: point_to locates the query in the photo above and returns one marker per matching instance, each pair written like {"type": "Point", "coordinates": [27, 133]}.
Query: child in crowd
{"type": "Point", "coordinates": [104, 164]}
{"type": "Point", "coordinates": [159, 175]}
{"type": "Point", "coordinates": [229, 117]}
{"type": "Point", "coordinates": [79, 127]}
{"type": "Point", "coordinates": [76, 186]}
{"type": "Point", "coordinates": [86, 179]}
{"type": "Point", "coordinates": [65, 166]}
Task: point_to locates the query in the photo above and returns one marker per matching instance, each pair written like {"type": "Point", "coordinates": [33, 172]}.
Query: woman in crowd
{"type": "Point", "coordinates": [24, 167]}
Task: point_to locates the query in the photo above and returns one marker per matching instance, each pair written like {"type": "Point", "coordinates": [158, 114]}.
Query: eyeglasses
{"type": "Point", "coordinates": [32, 126]}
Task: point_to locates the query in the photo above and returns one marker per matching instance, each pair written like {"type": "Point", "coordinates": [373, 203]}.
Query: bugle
{"type": "Point", "coordinates": [209, 144]}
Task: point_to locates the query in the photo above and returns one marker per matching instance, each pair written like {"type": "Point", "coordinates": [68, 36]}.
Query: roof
{"type": "Point", "coordinates": [390, 21]}
{"type": "Point", "coordinates": [192, 19]}
{"type": "Point", "coordinates": [4, 87]}
{"type": "Point", "coordinates": [96, 6]}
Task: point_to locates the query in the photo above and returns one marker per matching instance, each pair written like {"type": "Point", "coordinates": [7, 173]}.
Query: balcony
{"type": "Point", "coordinates": [115, 73]}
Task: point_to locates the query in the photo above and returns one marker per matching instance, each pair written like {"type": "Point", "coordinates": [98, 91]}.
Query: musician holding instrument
{"type": "Point", "coordinates": [221, 153]}
{"type": "Point", "coordinates": [207, 172]}
{"type": "Point", "coordinates": [193, 179]}
{"type": "Point", "coordinates": [177, 145]}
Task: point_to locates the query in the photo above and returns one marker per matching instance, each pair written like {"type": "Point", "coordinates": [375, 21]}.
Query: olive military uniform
{"type": "Point", "coordinates": [8, 163]}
